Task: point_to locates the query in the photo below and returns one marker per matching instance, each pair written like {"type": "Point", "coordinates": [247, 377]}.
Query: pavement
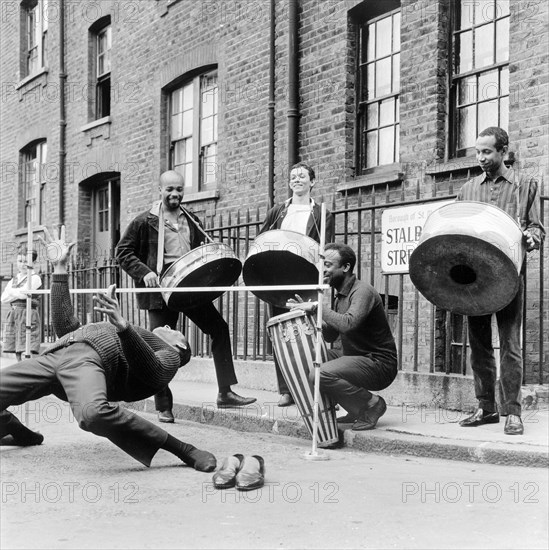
{"type": "Point", "coordinates": [409, 429]}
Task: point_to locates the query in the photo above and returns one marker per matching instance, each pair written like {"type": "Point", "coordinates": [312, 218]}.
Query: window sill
{"type": "Point", "coordinates": [96, 123]}
{"type": "Point", "coordinates": [24, 230]}
{"type": "Point", "coordinates": [389, 173]}
{"type": "Point", "coordinates": [31, 77]}
{"type": "Point", "coordinates": [201, 196]}
{"type": "Point", "coordinates": [461, 164]}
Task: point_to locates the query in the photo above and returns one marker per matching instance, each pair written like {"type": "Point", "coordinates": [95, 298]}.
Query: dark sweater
{"type": "Point", "coordinates": [136, 362]}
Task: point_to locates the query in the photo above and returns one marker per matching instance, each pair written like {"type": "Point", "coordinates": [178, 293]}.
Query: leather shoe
{"type": "Point", "coordinates": [225, 477]}
{"type": "Point", "coordinates": [166, 417]}
{"type": "Point", "coordinates": [251, 474]}
{"type": "Point", "coordinates": [478, 418]}
{"type": "Point", "coordinates": [513, 425]}
{"type": "Point", "coordinates": [231, 399]}
{"type": "Point", "coordinates": [286, 400]}
{"type": "Point", "coordinates": [369, 417]}
{"type": "Point", "coordinates": [347, 419]}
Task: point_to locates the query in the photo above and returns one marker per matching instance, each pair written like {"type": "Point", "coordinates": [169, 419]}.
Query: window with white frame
{"type": "Point", "coordinates": [480, 79]}
{"type": "Point", "coordinates": [33, 183]}
{"type": "Point", "coordinates": [35, 21]}
{"type": "Point", "coordinates": [103, 40]}
{"type": "Point", "coordinates": [193, 131]}
{"type": "Point", "coordinates": [378, 90]}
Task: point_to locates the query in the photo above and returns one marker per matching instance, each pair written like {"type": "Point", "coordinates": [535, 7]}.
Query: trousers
{"type": "Point", "coordinates": [210, 322]}
{"type": "Point", "coordinates": [349, 379]}
{"type": "Point", "coordinates": [75, 373]}
{"type": "Point", "coordinates": [483, 362]}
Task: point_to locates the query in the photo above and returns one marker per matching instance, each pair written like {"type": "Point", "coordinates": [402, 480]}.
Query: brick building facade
{"type": "Point", "coordinates": [389, 96]}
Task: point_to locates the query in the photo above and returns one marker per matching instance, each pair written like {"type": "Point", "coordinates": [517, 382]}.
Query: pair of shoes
{"type": "Point", "coordinates": [243, 472]}
{"type": "Point", "coordinates": [347, 419]}
{"type": "Point", "coordinates": [26, 440]}
{"type": "Point", "coordinates": [166, 417]}
{"type": "Point", "coordinates": [513, 425]}
{"type": "Point", "coordinates": [231, 399]}
{"type": "Point", "coordinates": [286, 400]}
{"type": "Point", "coordinates": [480, 417]}
{"type": "Point", "coordinates": [367, 420]}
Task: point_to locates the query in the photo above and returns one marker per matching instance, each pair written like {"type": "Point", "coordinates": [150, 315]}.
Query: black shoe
{"type": "Point", "coordinates": [347, 419]}
{"type": "Point", "coordinates": [286, 400]}
{"type": "Point", "coordinates": [513, 425]}
{"type": "Point", "coordinates": [231, 399]}
{"type": "Point", "coordinates": [251, 474]}
{"type": "Point", "coordinates": [368, 419]}
{"type": "Point", "coordinates": [166, 417]}
{"type": "Point", "coordinates": [225, 477]}
{"type": "Point", "coordinates": [480, 417]}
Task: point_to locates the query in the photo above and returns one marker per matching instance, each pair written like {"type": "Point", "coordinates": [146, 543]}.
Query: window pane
{"type": "Point", "coordinates": [397, 109]}
{"type": "Point", "coordinates": [371, 41]}
{"type": "Point", "coordinates": [179, 153]}
{"type": "Point", "coordinates": [386, 145]}
{"type": "Point", "coordinates": [465, 48]}
{"type": "Point", "coordinates": [502, 40]}
{"type": "Point", "coordinates": [488, 85]}
{"type": "Point", "coordinates": [504, 81]}
{"type": "Point", "coordinates": [467, 14]}
{"type": "Point", "coordinates": [370, 81]}
{"type": "Point", "coordinates": [189, 174]}
{"type": "Point", "coordinates": [187, 126]}
{"type": "Point", "coordinates": [383, 77]}
{"type": "Point", "coordinates": [504, 112]}
{"type": "Point", "coordinates": [383, 37]}
{"type": "Point", "coordinates": [371, 117]}
{"type": "Point", "coordinates": [396, 32]}
{"type": "Point", "coordinates": [386, 112]}
{"type": "Point", "coordinates": [208, 102]}
{"type": "Point", "coordinates": [484, 11]}
{"type": "Point", "coordinates": [188, 97]}
{"type": "Point", "coordinates": [484, 46]}
{"type": "Point", "coordinates": [177, 126]}
{"type": "Point", "coordinates": [371, 148]}
{"type": "Point", "coordinates": [502, 7]}
{"type": "Point", "coordinates": [215, 127]}
{"type": "Point", "coordinates": [397, 142]}
{"type": "Point", "coordinates": [467, 90]}
{"type": "Point", "coordinates": [396, 73]}
{"type": "Point", "coordinates": [467, 129]}
{"type": "Point", "coordinates": [206, 131]}
{"type": "Point", "coordinates": [177, 101]}
{"type": "Point", "coordinates": [487, 114]}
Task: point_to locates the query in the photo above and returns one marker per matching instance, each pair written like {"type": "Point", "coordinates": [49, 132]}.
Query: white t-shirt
{"type": "Point", "coordinates": [296, 218]}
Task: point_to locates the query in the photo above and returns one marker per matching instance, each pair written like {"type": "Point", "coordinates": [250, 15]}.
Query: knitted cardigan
{"type": "Point", "coordinates": [137, 363]}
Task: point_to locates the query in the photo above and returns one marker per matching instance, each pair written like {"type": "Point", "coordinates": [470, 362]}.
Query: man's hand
{"type": "Point", "coordinates": [151, 280]}
{"type": "Point", "coordinates": [57, 250]}
{"type": "Point", "coordinates": [298, 303]}
{"type": "Point", "coordinates": [531, 243]}
{"type": "Point", "coordinates": [108, 304]}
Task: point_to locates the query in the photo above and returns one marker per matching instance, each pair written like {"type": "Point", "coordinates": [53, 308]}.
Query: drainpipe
{"type": "Point", "coordinates": [293, 83]}
{"type": "Point", "coordinates": [271, 108]}
{"type": "Point", "coordinates": [62, 114]}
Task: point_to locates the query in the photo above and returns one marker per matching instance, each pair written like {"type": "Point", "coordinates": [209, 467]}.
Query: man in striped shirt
{"type": "Point", "coordinates": [518, 195]}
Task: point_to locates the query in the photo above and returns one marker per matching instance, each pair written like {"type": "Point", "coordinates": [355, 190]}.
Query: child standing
{"type": "Point", "coordinates": [15, 327]}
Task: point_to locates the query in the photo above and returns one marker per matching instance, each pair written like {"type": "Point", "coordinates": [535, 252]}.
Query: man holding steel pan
{"type": "Point", "coordinates": [517, 195]}
{"type": "Point", "coordinates": [95, 365]}
{"type": "Point", "coordinates": [364, 357]}
{"type": "Point", "coordinates": [145, 251]}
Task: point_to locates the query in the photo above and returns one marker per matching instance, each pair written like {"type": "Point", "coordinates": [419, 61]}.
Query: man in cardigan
{"type": "Point", "coordinates": [145, 251]}
{"type": "Point", "coordinates": [95, 365]}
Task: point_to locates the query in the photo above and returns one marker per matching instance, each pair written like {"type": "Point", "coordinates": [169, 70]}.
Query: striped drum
{"type": "Point", "coordinates": [294, 337]}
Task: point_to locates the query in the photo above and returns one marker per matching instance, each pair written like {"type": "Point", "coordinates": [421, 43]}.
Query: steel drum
{"type": "Point", "coordinates": [294, 336]}
{"type": "Point", "coordinates": [280, 257]}
{"type": "Point", "coordinates": [212, 264]}
{"type": "Point", "coordinates": [468, 259]}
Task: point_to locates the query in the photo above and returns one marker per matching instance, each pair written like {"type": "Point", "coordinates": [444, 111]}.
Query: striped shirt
{"type": "Point", "coordinates": [516, 194]}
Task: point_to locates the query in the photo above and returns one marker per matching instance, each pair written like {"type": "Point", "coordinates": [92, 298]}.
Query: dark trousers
{"type": "Point", "coordinates": [76, 372]}
{"type": "Point", "coordinates": [210, 322]}
{"type": "Point", "coordinates": [483, 362]}
{"type": "Point", "coordinates": [348, 379]}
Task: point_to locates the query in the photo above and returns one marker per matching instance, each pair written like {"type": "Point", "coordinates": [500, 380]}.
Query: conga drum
{"type": "Point", "coordinates": [212, 264]}
{"type": "Point", "coordinates": [282, 258]}
{"type": "Point", "coordinates": [294, 336]}
{"type": "Point", "coordinates": [468, 259]}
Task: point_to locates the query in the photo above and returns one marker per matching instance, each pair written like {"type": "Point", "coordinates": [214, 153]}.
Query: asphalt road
{"type": "Point", "coordinates": [79, 491]}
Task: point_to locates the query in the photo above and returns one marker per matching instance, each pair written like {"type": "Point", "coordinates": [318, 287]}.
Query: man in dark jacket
{"type": "Point", "coordinates": [145, 251]}
{"type": "Point", "coordinates": [92, 367]}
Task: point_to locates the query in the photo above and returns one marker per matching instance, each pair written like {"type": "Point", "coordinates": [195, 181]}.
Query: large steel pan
{"type": "Point", "coordinates": [468, 259]}
{"type": "Point", "coordinates": [279, 258]}
{"type": "Point", "coordinates": [213, 264]}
